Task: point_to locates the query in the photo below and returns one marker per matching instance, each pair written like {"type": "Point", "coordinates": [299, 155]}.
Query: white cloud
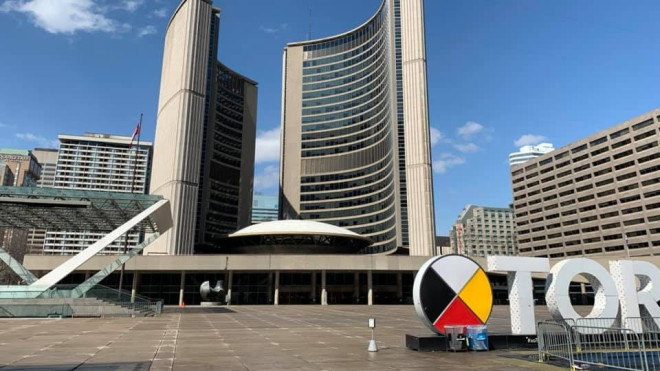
{"type": "Point", "coordinates": [65, 16]}
{"type": "Point", "coordinates": [281, 27]}
{"type": "Point", "coordinates": [131, 5]}
{"type": "Point", "coordinates": [446, 161]}
{"type": "Point", "coordinates": [469, 129]}
{"type": "Point", "coordinates": [435, 136]}
{"type": "Point", "coordinates": [147, 30]}
{"type": "Point", "coordinates": [529, 140]}
{"type": "Point", "coordinates": [467, 147]}
{"type": "Point", "coordinates": [39, 140]}
{"type": "Point", "coordinates": [160, 13]}
{"type": "Point", "coordinates": [267, 146]}
{"type": "Point", "coordinates": [268, 178]}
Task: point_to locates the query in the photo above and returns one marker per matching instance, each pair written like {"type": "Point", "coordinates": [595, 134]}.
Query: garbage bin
{"type": "Point", "coordinates": [477, 337]}
{"type": "Point", "coordinates": [456, 339]}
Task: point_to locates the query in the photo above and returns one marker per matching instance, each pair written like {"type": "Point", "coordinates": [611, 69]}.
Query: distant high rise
{"type": "Point", "coordinates": [21, 167]}
{"type": "Point", "coordinates": [527, 153]}
{"type": "Point", "coordinates": [355, 148]}
{"type": "Point", "coordinates": [205, 135]}
{"type": "Point", "coordinates": [264, 208]}
{"type": "Point", "coordinates": [483, 230]}
{"type": "Point", "coordinates": [48, 160]}
{"type": "Point", "coordinates": [98, 162]}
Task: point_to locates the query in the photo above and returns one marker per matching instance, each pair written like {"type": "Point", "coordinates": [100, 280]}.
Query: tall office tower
{"type": "Point", "coordinates": [265, 208]}
{"type": "Point", "coordinates": [205, 135]}
{"type": "Point", "coordinates": [47, 158]}
{"type": "Point", "coordinates": [483, 230]}
{"type": "Point", "coordinates": [599, 195]}
{"type": "Point", "coordinates": [98, 162]}
{"type": "Point", "coordinates": [527, 153]}
{"type": "Point", "coordinates": [355, 131]}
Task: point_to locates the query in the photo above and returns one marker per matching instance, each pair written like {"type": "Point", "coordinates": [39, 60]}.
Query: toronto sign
{"type": "Point", "coordinates": [454, 290]}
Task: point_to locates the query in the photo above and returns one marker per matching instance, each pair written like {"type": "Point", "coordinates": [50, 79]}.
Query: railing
{"type": "Point", "coordinates": [554, 341]}
{"type": "Point", "coordinates": [608, 347]}
{"type": "Point", "coordinates": [132, 305]}
{"type": "Point", "coordinates": [35, 310]}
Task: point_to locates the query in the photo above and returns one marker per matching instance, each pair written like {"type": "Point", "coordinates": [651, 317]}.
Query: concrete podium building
{"type": "Point", "coordinates": [205, 135]}
{"type": "Point", "coordinates": [355, 131]}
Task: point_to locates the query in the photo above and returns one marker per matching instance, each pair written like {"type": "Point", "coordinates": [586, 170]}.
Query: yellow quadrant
{"type": "Point", "coordinates": [476, 294]}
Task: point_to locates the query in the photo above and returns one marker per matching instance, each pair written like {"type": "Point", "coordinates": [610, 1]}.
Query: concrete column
{"type": "Point", "coordinates": [182, 287]}
{"type": "Point", "coordinates": [313, 287]}
{"type": "Point", "coordinates": [583, 292]}
{"type": "Point", "coordinates": [270, 287]}
{"type": "Point", "coordinates": [136, 282]}
{"type": "Point", "coordinates": [87, 275]}
{"type": "Point", "coordinates": [399, 286]}
{"type": "Point", "coordinates": [230, 277]}
{"type": "Point", "coordinates": [356, 287]}
{"type": "Point", "coordinates": [370, 289]}
{"type": "Point", "coordinates": [324, 292]}
{"type": "Point", "coordinates": [277, 288]}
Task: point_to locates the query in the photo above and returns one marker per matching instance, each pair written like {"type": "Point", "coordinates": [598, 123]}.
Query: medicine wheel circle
{"type": "Point", "coordinates": [452, 290]}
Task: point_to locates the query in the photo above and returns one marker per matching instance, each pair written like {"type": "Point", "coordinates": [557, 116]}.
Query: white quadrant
{"type": "Point", "coordinates": [455, 270]}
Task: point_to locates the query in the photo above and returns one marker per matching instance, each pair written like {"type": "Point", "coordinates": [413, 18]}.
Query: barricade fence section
{"type": "Point", "coordinates": [631, 344]}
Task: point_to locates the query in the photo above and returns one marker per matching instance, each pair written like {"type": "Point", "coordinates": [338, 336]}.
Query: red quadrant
{"type": "Point", "coordinates": [457, 313]}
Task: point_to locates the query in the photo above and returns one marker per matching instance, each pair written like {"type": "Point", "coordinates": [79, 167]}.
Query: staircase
{"type": "Point", "coordinates": [71, 307]}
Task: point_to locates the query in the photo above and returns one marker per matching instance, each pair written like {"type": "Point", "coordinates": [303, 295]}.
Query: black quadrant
{"type": "Point", "coordinates": [435, 295]}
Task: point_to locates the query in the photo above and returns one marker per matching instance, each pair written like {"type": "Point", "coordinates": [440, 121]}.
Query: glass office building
{"type": "Point", "coordinates": [344, 151]}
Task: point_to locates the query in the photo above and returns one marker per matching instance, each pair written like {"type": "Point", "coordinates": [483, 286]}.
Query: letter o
{"type": "Point", "coordinates": [606, 301]}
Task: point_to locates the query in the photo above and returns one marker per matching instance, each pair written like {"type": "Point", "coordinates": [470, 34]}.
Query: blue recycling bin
{"type": "Point", "coordinates": [477, 337]}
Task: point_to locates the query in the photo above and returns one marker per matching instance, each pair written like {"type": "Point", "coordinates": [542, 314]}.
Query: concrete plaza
{"type": "Point", "coordinates": [242, 338]}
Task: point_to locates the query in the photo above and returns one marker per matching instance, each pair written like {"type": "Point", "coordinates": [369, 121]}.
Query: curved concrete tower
{"type": "Point", "coordinates": [178, 142]}
{"type": "Point", "coordinates": [355, 131]}
{"type": "Point", "coordinates": [419, 172]}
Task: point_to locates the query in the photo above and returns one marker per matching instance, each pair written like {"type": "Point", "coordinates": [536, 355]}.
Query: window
{"type": "Point", "coordinates": [579, 148]}
{"type": "Point", "coordinates": [643, 124]}
{"type": "Point", "coordinates": [620, 144]}
{"type": "Point", "coordinates": [649, 133]}
{"type": "Point", "coordinates": [598, 141]}
{"type": "Point", "coordinates": [619, 133]}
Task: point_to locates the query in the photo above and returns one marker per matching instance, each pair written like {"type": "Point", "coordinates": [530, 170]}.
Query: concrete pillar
{"type": "Point", "coordinates": [583, 291]}
{"type": "Point", "coordinates": [136, 282]}
{"type": "Point", "coordinates": [399, 286]}
{"type": "Point", "coordinates": [230, 276]}
{"type": "Point", "coordinates": [313, 287]}
{"type": "Point", "coordinates": [370, 289]}
{"type": "Point", "coordinates": [87, 275]}
{"type": "Point", "coordinates": [182, 287]}
{"type": "Point", "coordinates": [276, 300]}
{"type": "Point", "coordinates": [270, 287]}
{"type": "Point", "coordinates": [356, 287]}
{"type": "Point", "coordinates": [324, 292]}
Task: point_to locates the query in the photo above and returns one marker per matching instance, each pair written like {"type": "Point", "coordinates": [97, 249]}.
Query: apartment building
{"type": "Point", "coordinates": [483, 230]}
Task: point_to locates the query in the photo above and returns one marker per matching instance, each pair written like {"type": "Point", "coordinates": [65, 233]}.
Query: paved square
{"type": "Point", "coordinates": [245, 338]}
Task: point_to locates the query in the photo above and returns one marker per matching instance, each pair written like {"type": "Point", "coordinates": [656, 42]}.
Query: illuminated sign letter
{"type": "Point", "coordinates": [521, 290]}
{"type": "Point", "coordinates": [642, 303]}
{"type": "Point", "coordinates": [606, 302]}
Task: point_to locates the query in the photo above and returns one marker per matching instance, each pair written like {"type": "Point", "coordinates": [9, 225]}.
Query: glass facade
{"type": "Point", "coordinates": [349, 131]}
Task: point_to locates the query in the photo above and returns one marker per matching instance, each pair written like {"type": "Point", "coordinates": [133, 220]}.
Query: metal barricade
{"type": "Point", "coordinates": [554, 340]}
{"type": "Point", "coordinates": [609, 347]}
{"type": "Point", "coordinates": [598, 323]}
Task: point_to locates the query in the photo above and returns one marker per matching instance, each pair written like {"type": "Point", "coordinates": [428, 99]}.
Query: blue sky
{"type": "Point", "coordinates": [499, 72]}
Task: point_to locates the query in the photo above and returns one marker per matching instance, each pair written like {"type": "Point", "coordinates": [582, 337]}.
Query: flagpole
{"type": "Point", "coordinates": [135, 158]}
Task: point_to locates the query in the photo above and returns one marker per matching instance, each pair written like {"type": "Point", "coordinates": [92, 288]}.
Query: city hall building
{"type": "Point", "coordinates": [356, 170]}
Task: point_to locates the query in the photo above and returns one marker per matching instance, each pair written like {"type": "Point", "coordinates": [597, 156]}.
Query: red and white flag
{"type": "Point", "coordinates": [136, 132]}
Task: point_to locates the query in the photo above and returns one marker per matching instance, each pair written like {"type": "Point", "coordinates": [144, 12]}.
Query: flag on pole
{"type": "Point", "coordinates": [136, 132]}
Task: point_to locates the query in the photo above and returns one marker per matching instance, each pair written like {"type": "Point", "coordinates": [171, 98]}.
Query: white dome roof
{"type": "Point", "coordinates": [307, 227]}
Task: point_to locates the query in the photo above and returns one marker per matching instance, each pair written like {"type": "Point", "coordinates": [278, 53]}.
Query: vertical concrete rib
{"type": "Point", "coordinates": [177, 146]}
{"type": "Point", "coordinates": [418, 150]}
